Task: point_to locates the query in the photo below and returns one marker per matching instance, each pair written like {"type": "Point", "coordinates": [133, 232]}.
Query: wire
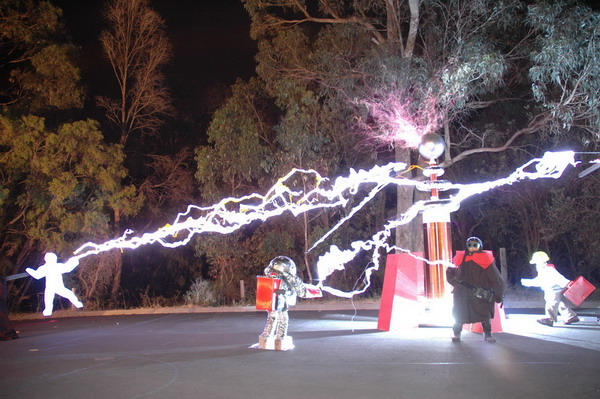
{"type": "Point", "coordinates": [411, 167]}
{"type": "Point", "coordinates": [359, 281]}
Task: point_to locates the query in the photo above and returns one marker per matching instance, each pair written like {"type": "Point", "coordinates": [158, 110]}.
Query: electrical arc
{"type": "Point", "coordinates": [287, 195]}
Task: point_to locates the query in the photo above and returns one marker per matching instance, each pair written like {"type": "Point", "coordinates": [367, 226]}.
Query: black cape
{"type": "Point", "coordinates": [478, 269]}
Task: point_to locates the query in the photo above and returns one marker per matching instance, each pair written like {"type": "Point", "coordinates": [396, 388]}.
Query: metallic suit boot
{"type": "Point", "coordinates": [262, 342]}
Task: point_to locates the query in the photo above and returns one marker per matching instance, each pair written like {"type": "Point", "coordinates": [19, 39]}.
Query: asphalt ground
{"type": "Point", "coordinates": [337, 354]}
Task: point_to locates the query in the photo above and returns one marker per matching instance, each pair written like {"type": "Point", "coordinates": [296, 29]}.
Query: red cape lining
{"type": "Point", "coordinates": [483, 259]}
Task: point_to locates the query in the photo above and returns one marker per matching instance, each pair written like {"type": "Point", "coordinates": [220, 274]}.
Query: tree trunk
{"type": "Point", "coordinates": [118, 266]}
{"type": "Point", "coordinates": [306, 262]}
{"type": "Point", "coordinates": [116, 286]}
{"type": "Point", "coordinates": [413, 29]}
{"type": "Point", "coordinates": [408, 236]}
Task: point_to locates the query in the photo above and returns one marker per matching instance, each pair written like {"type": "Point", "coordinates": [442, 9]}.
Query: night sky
{"type": "Point", "coordinates": [210, 39]}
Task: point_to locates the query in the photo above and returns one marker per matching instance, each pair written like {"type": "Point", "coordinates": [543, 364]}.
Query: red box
{"type": "Point", "coordinates": [577, 290]}
{"type": "Point", "coordinates": [265, 292]}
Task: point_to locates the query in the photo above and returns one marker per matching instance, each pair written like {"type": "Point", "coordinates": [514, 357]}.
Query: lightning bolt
{"type": "Point", "coordinates": [551, 165]}
{"type": "Point", "coordinates": [231, 214]}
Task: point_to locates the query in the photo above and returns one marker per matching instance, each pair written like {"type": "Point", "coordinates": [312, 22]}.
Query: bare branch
{"type": "Point", "coordinates": [535, 126]}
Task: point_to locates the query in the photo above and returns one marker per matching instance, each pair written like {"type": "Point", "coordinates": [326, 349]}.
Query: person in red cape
{"type": "Point", "coordinates": [475, 268]}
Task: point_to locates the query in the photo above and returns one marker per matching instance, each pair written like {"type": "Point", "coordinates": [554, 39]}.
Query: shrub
{"type": "Point", "coordinates": [200, 294]}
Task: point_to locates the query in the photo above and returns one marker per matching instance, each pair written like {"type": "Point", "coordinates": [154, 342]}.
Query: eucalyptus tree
{"type": "Point", "coordinates": [492, 77]}
{"type": "Point", "coordinates": [137, 48]}
{"type": "Point", "coordinates": [136, 45]}
{"type": "Point", "coordinates": [442, 59]}
{"type": "Point", "coordinates": [556, 58]}
{"type": "Point", "coordinates": [257, 136]}
{"type": "Point", "coordinates": [566, 68]}
{"type": "Point", "coordinates": [60, 188]}
{"type": "Point", "coordinates": [246, 152]}
{"type": "Point", "coordinates": [36, 60]}
{"type": "Point", "coordinates": [389, 65]}
{"type": "Point", "coordinates": [557, 108]}
{"type": "Point", "coordinates": [60, 183]}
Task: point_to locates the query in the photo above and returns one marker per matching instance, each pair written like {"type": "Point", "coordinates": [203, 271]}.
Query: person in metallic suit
{"type": "Point", "coordinates": [291, 286]}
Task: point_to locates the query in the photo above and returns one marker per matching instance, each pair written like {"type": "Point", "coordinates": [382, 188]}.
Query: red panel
{"type": "Point", "coordinates": [265, 292]}
{"type": "Point", "coordinates": [496, 321]}
{"type": "Point", "coordinates": [577, 290]}
{"type": "Point", "coordinates": [402, 284]}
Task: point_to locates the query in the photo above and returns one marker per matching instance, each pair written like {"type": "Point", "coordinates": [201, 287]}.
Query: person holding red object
{"type": "Point", "coordinates": [291, 287]}
{"type": "Point", "coordinates": [553, 284]}
{"type": "Point", "coordinates": [475, 273]}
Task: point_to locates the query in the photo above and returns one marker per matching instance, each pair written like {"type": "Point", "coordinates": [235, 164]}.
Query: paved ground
{"type": "Point", "coordinates": [338, 354]}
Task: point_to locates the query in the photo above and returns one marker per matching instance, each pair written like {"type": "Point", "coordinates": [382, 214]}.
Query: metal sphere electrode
{"type": "Point", "coordinates": [432, 146]}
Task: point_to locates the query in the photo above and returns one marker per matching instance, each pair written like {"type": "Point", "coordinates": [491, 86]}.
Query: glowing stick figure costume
{"type": "Point", "coordinates": [53, 271]}
{"type": "Point", "coordinates": [288, 286]}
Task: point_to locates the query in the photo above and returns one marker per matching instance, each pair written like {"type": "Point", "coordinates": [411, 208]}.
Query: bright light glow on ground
{"type": "Point", "coordinates": [582, 334]}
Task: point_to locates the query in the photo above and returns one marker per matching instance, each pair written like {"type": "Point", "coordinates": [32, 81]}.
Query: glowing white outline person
{"type": "Point", "coordinates": [53, 272]}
